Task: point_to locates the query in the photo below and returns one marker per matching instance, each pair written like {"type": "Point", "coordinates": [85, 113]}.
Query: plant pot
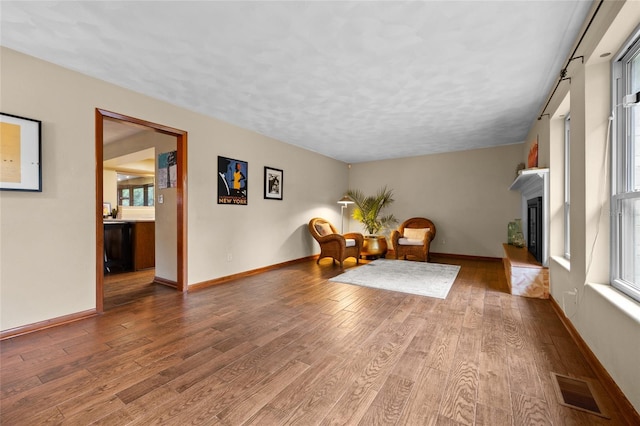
{"type": "Point", "coordinates": [374, 246]}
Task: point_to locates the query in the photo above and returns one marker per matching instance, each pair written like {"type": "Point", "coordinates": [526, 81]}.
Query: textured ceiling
{"type": "Point", "coordinates": [356, 81]}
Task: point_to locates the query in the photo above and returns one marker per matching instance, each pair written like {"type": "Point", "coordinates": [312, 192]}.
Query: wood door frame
{"type": "Point", "coordinates": [181, 198]}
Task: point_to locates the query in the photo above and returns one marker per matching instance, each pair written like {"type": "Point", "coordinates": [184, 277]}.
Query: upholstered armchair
{"type": "Point", "coordinates": [334, 245]}
{"type": "Point", "coordinates": [413, 238]}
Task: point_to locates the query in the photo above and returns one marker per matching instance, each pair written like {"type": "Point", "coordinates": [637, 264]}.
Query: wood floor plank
{"type": "Point", "coordinates": [529, 410]}
{"type": "Point", "coordinates": [317, 403]}
{"type": "Point", "coordinates": [316, 343]}
{"type": "Point", "coordinates": [469, 344]}
{"type": "Point", "coordinates": [411, 364]}
{"type": "Point", "coordinates": [524, 376]}
{"type": "Point", "coordinates": [204, 400]}
{"type": "Point", "coordinates": [490, 416]}
{"type": "Point", "coordinates": [208, 368]}
{"type": "Point", "coordinates": [50, 416]}
{"type": "Point", "coordinates": [514, 329]}
{"type": "Point", "coordinates": [405, 308]}
{"type": "Point", "coordinates": [290, 347]}
{"type": "Point", "coordinates": [459, 399]}
{"type": "Point", "coordinates": [424, 401]}
{"type": "Point", "coordinates": [66, 369]}
{"type": "Point", "coordinates": [493, 334]}
{"type": "Point", "coordinates": [493, 383]}
{"type": "Point", "coordinates": [17, 386]}
{"type": "Point", "coordinates": [175, 370]}
{"type": "Point", "coordinates": [259, 356]}
{"type": "Point", "coordinates": [184, 347]}
{"type": "Point", "coordinates": [474, 313]}
{"type": "Point", "coordinates": [97, 409]}
{"type": "Point", "coordinates": [144, 410]}
{"type": "Point", "coordinates": [103, 392]}
{"type": "Point", "coordinates": [17, 408]}
{"type": "Point", "coordinates": [290, 397]}
{"type": "Point", "coordinates": [567, 350]}
{"type": "Point", "coordinates": [359, 395]}
{"type": "Point", "coordinates": [443, 347]}
{"type": "Point", "coordinates": [387, 407]}
{"type": "Point", "coordinates": [241, 411]}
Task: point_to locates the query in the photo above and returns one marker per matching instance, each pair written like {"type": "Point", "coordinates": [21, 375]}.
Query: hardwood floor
{"type": "Point", "coordinates": [289, 347]}
{"type": "Point", "coordinates": [125, 288]}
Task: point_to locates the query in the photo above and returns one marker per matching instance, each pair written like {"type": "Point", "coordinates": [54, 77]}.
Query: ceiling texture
{"type": "Point", "coordinates": [353, 80]}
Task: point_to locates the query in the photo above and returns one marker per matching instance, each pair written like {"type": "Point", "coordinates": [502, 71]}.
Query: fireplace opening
{"type": "Point", "coordinates": [534, 227]}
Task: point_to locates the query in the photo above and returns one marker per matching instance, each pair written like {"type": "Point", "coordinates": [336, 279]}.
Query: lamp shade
{"type": "Point", "coordinates": [345, 200]}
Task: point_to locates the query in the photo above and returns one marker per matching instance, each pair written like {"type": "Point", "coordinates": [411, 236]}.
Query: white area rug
{"type": "Point", "coordinates": [424, 279]}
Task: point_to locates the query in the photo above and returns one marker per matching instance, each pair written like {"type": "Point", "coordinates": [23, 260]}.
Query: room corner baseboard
{"type": "Point", "coordinates": [164, 281]}
{"type": "Point", "coordinates": [222, 280]}
{"type": "Point", "coordinates": [42, 325]}
{"type": "Point", "coordinates": [624, 407]}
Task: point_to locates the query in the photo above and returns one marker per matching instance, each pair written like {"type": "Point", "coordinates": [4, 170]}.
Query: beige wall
{"type": "Point", "coordinates": [466, 194]}
{"type": "Point", "coordinates": [110, 187]}
{"type": "Point", "coordinates": [166, 215]}
{"type": "Point", "coordinates": [47, 248]}
{"type": "Point", "coordinates": [608, 321]}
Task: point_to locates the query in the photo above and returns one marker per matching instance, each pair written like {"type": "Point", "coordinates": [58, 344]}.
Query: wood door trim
{"type": "Point", "coordinates": [181, 197]}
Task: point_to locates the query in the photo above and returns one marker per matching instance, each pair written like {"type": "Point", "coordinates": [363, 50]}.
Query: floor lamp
{"type": "Point", "coordinates": [345, 201]}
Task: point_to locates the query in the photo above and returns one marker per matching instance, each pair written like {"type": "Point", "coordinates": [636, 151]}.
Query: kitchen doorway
{"type": "Point", "coordinates": [180, 282]}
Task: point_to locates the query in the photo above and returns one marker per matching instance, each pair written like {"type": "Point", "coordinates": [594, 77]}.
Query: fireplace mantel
{"type": "Point", "coordinates": [530, 182]}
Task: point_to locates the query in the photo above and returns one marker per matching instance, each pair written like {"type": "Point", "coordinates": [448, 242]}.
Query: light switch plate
{"type": "Point", "coordinates": [160, 199]}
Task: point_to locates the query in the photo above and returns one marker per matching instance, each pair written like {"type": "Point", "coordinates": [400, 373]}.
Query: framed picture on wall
{"type": "Point", "coordinates": [273, 183]}
{"type": "Point", "coordinates": [20, 153]}
{"type": "Point", "coordinates": [233, 182]}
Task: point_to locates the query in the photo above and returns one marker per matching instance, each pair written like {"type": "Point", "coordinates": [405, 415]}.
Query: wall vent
{"type": "Point", "coordinates": [577, 393]}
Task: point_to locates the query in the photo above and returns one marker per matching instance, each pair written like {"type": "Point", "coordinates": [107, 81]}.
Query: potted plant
{"type": "Point", "coordinates": [368, 211]}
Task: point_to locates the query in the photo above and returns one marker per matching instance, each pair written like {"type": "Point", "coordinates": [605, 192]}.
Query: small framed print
{"type": "Point", "coordinates": [20, 153]}
{"type": "Point", "coordinates": [106, 209]}
{"type": "Point", "coordinates": [273, 183]}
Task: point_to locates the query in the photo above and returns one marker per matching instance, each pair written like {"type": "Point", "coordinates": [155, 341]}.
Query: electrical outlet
{"type": "Point", "coordinates": [229, 256]}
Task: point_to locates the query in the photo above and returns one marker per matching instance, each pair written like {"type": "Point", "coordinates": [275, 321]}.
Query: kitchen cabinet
{"type": "Point", "coordinates": [129, 245]}
{"type": "Point", "coordinates": [144, 245]}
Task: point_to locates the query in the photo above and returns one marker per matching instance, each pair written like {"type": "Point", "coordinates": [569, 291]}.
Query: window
{"type": "Point", "coordinates": [150, 196]}
{"type": "Point", "coordinates": [625, 201]}
{"type": "Point", "coordinates": [567, 180]}
{"type": "Point", "coordinates": [124, 197]}
{"type": "Point", "coordinates": [136, 195]}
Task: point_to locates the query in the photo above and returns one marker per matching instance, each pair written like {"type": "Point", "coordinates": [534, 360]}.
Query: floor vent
{"type": "Point", "coordinates": [577, 393]}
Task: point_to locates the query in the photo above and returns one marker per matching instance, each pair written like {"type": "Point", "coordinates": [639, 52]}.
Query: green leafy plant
{"type": "Point", "coordinates": [368, 209]}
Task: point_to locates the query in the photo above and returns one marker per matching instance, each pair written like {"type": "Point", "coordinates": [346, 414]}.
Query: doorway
{"type": "Point", "coordinates": [181, 199]}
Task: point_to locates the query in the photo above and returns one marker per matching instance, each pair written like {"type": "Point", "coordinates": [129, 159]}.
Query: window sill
{"type": "Point", "coordinates": [618, 299]}
{"type": "Point", "coordinates": [562, 261]}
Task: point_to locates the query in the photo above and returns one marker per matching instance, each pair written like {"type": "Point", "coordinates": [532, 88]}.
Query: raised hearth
{"type": "Point", "coordinates": [525, 275]}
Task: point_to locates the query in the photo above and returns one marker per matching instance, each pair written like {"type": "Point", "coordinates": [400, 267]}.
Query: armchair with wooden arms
{"type": "Point", "coordinates": [413, 237]}
{"type": "Point", "coordinates": [335, 245]}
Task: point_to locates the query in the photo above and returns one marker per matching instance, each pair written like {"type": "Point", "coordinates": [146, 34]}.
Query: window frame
{"type": "Point", "coordinates": [145, 196]}
{"type": "Point", "coordinates": [567, 187]}
{"type": "Point", "coordinates": [622, 152]}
